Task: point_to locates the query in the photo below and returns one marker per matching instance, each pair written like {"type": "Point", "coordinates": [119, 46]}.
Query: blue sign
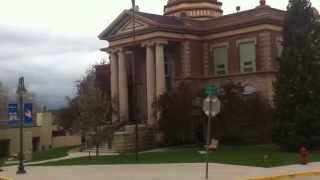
{"type": "Point", "coordinates": [28, 113]}
{"type": "Point", "coordinates": [14, 119]}
{"type": "Point", "coordinates": [13, 113]}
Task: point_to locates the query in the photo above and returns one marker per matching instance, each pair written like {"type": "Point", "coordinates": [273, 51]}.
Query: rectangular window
{"type": "Point", "coordinates": [220, 55]}
{"type": "Point", "coordinates": [279, 47]}
{"type": "Point", "coordinates": [247, 57]}
{"type": "Point", "coordinates": [168, 75]}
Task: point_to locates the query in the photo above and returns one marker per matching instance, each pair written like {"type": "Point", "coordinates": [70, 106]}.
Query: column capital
{"type": "Point", "coordinates": [113, 50]}
{"type": "Point", "coordinates": [154, 42]}
{"type": "Point", "coordinates": [149, 43]}
{"type": "Point", "coordinates": [160, 41]}
{"type": "Point", "coordinates": [105, 49]}
{"type": "Point", "coordinates": [109, 50]}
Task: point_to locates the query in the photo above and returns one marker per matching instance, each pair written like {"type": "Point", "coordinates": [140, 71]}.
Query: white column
{"type": "Point", "coordinates": [151, 82]}
{"type": "Point", "coordinates": [114, 85]}
{"type": "Point", "coordinates": [160, 69]}
{"type": "Point", "coordinates": [123, 87]}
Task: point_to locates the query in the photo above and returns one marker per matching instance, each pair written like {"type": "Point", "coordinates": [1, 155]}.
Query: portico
{"type": "Point", "coordinates": [155, 81]}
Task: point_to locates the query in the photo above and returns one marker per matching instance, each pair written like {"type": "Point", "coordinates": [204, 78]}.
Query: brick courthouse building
{"type": "Point", "coordinates": [192, 42]}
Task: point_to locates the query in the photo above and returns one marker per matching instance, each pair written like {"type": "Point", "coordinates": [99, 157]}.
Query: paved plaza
{"type": "Point", "coordinates": [154, 172]}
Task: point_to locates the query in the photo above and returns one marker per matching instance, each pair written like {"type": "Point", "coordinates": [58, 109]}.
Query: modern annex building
{"type": "Point", "coordinates": [191, 42]}
{"type": "Point", "coordinates": [43, 134]}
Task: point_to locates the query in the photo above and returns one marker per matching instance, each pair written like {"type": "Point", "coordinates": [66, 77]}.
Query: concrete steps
{"type": "Point", "coordinates": [125, 140]}
{"type": "Point", "coordinates": [103, 149]}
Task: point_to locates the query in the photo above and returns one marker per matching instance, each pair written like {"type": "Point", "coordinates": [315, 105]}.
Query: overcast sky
{"type": "Point", "coordinates": [53, 42]}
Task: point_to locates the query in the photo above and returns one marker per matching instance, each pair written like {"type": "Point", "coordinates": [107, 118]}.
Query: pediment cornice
{"type": "Point", "coordinates": [123, 24]}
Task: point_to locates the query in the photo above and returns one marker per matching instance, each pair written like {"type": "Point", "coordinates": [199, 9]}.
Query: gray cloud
{"type": "Point", "coordinates": [50, 62]}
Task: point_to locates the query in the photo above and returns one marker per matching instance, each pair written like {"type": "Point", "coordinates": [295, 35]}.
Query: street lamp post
{"type": "Point", "coordinates": [20, 92]}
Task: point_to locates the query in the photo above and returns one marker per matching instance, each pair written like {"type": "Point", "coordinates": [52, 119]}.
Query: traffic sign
{"type": "Point", "coordinates": [211, 90]}
{"type": "Point", "coordinates": [211, 106]}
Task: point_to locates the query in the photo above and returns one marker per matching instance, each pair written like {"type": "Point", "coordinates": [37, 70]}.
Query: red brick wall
{"type": "Point", "coordinates": [196, 57]}
{"type": "Point", "coordinates": [266, 52]}
{"type": "Point", "coordinates": [233, 50]}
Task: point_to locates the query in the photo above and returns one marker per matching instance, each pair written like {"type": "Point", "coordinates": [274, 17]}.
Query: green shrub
{"type": "Point", "coordinates": [176, 120]}
{"type": "Point", "coordinates": [243, 118]}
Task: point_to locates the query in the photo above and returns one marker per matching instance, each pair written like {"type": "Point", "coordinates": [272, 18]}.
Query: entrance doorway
{"type": "Point", "coordinates": [35, 144]}
{"type": "Point", "coordinates": [4, 148]}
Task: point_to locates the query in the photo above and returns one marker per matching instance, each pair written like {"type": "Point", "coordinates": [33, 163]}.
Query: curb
{"type": "Point", "coordinates": [286, 177]}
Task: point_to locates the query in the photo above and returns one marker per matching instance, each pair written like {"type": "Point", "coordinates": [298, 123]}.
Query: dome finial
{"type": "Point", "coordinates": [262, 2]}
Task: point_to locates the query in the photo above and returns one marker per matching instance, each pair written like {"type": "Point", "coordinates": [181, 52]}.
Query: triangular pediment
{"type": "Point", "coordinates": [128, 27]}
{"type": "Point", "coordinates": [123, 24]}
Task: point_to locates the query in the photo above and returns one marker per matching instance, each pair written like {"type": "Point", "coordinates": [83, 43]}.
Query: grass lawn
{"type": "Point", "coordinates": [240, 155]}
{"type": "Point", "coordinates": [51, 153]}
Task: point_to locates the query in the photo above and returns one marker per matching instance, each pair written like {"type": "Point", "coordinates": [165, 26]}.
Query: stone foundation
{"type": "Point", "coordinates": [124, 141]}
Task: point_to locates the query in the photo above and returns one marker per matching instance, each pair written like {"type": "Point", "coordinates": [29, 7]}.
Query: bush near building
{"type": "Point", "coordinates": [243, 118]}
{"type": "Point", "coordinates": [176, 120]}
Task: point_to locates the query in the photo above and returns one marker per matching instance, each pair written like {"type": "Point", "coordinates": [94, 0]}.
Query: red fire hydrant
{"type": "Point", "coordinates": [304, 153]}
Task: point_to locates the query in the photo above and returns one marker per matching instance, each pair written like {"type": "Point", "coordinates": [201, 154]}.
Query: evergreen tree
{"type": "Point", "coordinates": [297, 88]}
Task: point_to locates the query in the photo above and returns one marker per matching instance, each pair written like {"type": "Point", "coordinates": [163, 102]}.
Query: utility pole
{"type": "Point", "coordinates": [20, 92]}
{"type": "Point", "coordinates": [134, 88]}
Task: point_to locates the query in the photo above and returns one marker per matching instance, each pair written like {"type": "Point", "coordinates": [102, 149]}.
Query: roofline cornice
{"type": "Point", "coordinates": [200, 33]}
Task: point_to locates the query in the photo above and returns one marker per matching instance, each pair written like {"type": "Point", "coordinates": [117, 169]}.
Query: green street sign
{"type": "Point", "coordinates": [211, 90]}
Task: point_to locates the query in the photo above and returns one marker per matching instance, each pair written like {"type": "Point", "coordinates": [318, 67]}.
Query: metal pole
{"type": "Point", "coordinates": [208, 138]}
{"type": "Point", "coordinates": [135, 100]}
{"type": "Point", "coordinates": [21, 169]}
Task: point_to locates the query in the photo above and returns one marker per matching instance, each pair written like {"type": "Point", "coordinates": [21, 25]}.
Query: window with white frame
{"type": "Point", "coordinates": [220, 55]}
{"type": "Point", "coordinates": [247, 57]}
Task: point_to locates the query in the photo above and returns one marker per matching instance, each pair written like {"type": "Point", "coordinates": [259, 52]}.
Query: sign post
{"type": "Point", "coordinates": [21, 91]}
{"type": "Point", "coordinates": [14, 117]}
{"type": "Point", "coordinates": [211, 107]}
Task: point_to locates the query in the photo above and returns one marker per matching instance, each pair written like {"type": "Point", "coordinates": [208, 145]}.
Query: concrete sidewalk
{"type": "Point", "coordinates": [70, 155]}
{"type": "Point", "coordinates": [153, 172]}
